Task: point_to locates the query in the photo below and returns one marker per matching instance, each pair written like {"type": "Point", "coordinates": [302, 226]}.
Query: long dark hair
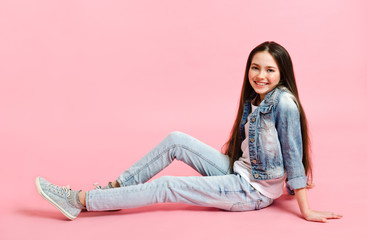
{"type": "Point", "coordinates": [232, 147]}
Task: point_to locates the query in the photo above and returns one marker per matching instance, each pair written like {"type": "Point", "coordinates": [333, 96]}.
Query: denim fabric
{"type": "Point", "coordinates": [216, 188]}
{"type": "Point", "coordinates": [275, 139]}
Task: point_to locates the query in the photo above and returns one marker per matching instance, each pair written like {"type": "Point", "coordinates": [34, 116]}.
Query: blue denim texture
{"type": "Point", "coordinates": [218, 187]}
{"type": "Point", "coordinates": [275, 139]}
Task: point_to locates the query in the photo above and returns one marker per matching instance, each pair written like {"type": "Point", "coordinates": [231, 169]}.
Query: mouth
{"type": "Point", "coordinates": [260, 83]}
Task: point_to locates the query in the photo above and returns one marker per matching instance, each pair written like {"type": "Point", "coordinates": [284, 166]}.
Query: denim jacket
{"type": "Point", "coordinates": [275, 138]}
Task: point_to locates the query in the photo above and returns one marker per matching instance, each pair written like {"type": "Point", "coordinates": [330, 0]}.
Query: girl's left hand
{"type": "Point", "coordinates": [317, 216]}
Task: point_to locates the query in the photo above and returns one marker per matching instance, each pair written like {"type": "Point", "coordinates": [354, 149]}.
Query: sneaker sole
{"type": "Point", "coordinates": [39, 189]}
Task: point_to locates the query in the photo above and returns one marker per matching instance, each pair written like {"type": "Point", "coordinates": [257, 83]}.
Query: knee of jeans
{"type": "Point", "coordinates": [163, 181]}
{"type": "Point", "coordinates": [176, 136]}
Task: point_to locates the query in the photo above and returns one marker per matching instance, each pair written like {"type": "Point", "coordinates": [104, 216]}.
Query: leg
{"type": "Point", "coordinates": [228, 192]}
{"type": "Point", "coordinates": [63, 198]}
{"type": "Point", "coordinates": [201, 157]}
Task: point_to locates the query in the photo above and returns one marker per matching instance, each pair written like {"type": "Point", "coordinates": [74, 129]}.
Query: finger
{"type": "Point", "coordinates": [334, 215]}
{"type": "Point", "coordinates": [320, 219]}
{"type": "Point", "coordinates": [330, 215]}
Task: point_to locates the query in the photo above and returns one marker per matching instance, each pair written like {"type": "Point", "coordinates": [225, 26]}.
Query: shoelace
{"type": "Point", "coordinates": [97, 186]}
{"type": "Point", "coordinates": [66, 190]}
{"type": "Point", "coordinates": [63, 189]}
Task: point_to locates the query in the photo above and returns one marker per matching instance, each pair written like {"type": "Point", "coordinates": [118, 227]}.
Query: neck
{"type": "Point", "coordinates": [257, 100]}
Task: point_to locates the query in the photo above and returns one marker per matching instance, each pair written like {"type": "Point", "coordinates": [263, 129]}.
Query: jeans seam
{"type": "Point", "coordinates": [171, 187]}
{"type": "Point", "coordinates": [165, 151]}
{"type": "Point", "coordinates": [205, 159]}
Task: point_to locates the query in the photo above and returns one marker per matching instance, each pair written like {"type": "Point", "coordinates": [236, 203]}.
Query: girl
{"type": "Point", "coordinates": [268, 145]}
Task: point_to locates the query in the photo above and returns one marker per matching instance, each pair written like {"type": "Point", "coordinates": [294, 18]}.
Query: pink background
{"type": "Point", "coordinates": [88, 87]}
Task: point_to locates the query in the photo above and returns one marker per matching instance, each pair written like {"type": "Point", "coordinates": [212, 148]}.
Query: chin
{"type": "Point", "coordinates": [262, 91]}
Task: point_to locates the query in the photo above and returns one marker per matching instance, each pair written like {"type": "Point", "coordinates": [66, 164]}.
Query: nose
{"type": "Point", "coordinates": [261, 75]}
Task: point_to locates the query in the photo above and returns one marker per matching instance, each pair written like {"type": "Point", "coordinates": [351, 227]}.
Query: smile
{"type": "Point", "coordinates": [261, 83]}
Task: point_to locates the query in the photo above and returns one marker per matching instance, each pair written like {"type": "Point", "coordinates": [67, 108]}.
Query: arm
{"type": "Point", "coordinates": [289, 131]}
{"type": "Point", "coordinates": [309, 214]}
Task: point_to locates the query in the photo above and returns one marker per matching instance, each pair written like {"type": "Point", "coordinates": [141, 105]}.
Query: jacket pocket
{"type": "Point", "coordinates": [269, 151]}
{"type": "Point", "coordinates": [266, 120]}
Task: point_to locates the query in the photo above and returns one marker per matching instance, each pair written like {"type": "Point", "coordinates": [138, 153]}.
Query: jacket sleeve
{"type": "Point", "coordinates": [288, 126]}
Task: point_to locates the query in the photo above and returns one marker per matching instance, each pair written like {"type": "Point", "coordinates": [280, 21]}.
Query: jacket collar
{"type": "Point", "coordinates": [270, 99]}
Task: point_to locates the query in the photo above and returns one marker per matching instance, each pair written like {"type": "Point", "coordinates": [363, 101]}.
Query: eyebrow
{"type": "Point", "coordinates": [266, 66]}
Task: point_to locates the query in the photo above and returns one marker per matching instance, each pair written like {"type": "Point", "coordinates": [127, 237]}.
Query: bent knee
{"type": "Point", "coordinates": [163, 180]}
{"type": "Point", "coordinates": [177, 137]}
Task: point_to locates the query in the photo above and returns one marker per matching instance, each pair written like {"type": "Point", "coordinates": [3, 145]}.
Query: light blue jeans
{"type": "Point", "coordinates": [216, 188]}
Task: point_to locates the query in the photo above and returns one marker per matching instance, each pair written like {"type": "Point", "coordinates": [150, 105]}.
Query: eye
{"type": "Point", "coordinates": [254, 68]}
{"type": "Point", "coordinates": [271, 70]}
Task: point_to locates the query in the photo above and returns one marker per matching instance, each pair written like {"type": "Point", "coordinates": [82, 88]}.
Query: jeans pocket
{"type": "Point", "coordinates": [263, 203]}
{"type": "Point", "coordinates": [243, 206]}
{"type": "Point", "coordinates": [258, 204]}
{"type": "Point", "coordinates": [250, 206]}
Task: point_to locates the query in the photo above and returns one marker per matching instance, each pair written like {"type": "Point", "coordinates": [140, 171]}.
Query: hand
{"type": "Point", "coordinates": [310, 185]}
{"type": "Point", "coordinates": [317, 216]}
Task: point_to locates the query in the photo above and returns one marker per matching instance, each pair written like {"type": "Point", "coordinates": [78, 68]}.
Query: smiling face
{"type": "Point", "coordinates": [264, 73]}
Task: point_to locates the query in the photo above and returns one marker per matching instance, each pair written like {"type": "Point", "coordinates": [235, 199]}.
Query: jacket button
{"type": "Point", "coordinates": [253, 119]}
{"type": "Point", "coordinates": [256, 175]}
{"type": "Point", "coordinates": [254, 161]}
{"type": "Point", "coordinates": [252, 140]}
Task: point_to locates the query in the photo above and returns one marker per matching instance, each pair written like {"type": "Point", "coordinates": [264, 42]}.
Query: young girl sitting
{"type": "Point", "coordinates": [268, 146]}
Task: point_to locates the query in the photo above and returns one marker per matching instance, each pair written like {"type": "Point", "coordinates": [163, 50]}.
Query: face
{"type": "Point", "coordinates": [264, 73]}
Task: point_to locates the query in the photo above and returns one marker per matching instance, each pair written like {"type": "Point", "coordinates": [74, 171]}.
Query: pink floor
{"type": "Point", "coordinates": [88, 87]}
{"type": "Point", "coordinates": [25, 215]}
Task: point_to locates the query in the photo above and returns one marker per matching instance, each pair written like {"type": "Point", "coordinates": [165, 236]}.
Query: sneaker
{"type": "Point", "coordinates": [59, 197]}
{"type": "Point", "coordinates": [98, 187]}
